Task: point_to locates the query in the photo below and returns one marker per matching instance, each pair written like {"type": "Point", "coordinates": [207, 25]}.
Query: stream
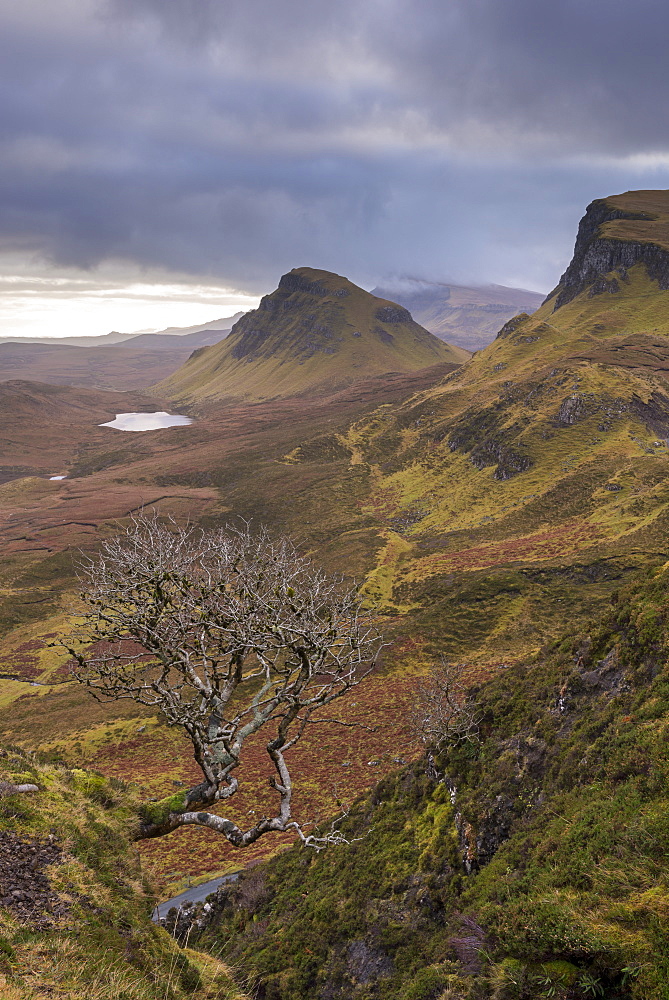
{"type": "Point", "coordinates": [195, 894]}
{"type": "Point", "coordinates": [23, 680]}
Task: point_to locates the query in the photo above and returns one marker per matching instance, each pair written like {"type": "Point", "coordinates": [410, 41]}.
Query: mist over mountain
{"type": "Point", "coordinates": [469, 317]}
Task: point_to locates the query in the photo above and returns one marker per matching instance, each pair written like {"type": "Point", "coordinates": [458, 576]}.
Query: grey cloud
{"type": "Point", "coordinates": [236, 140]}
{"type": "Point", "coordinates": [588, 73]}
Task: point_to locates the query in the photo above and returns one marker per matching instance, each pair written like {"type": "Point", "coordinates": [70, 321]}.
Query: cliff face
{"type": "Point", "coordinates": [597, 255]}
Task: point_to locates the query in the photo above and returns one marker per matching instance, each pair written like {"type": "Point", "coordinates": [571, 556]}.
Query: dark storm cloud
{"type": "Point", "coordinates": [236, 140]}
{"type": "Point", "coordinates": [591, 73]}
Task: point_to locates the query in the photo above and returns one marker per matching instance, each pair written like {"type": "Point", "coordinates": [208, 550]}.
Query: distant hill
{"type": "Point", "coordinates": [316, 330]}
{"type": "Point", "coordinates": [105, 340]}
{"type": "Point", "coordinates": [469, 317]}
{"type": "Point", "coordinates": [131, 364]}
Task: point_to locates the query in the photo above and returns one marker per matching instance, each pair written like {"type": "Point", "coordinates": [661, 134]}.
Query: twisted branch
{"type": "Point", "coordinates": [226, 634]}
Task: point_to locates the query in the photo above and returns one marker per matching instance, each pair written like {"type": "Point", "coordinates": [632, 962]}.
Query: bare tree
{"type": "Point", "coordinates": [444, 714]}
{"type": "Point", "coordinates": [225, 633]}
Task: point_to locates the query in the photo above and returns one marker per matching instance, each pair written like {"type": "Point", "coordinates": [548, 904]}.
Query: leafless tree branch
{"type": "Point", "coordinates": [225, 633]}
{"type": "Point", "coordinates": [444, 714]}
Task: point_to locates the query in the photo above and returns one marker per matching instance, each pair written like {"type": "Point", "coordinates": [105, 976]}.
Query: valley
{"type": "Point", "coordinates": [130, 364]}
{"type": "Point", "coordinates": [509, 511]}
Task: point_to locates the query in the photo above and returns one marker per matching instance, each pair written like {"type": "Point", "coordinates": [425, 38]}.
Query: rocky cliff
{"type": "Point", "coordinates": [604, 254]}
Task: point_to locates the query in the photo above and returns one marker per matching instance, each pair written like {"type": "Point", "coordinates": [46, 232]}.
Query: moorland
{"type": "Point", "coordinates": [507, 511]}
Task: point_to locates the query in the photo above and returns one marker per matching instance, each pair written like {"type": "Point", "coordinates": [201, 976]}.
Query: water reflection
{"type": "Point", "coordinates": [146, 421]}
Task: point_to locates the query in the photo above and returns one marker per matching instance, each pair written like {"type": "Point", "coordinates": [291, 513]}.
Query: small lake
{"type": "Point", "coordinates": [146, 421]}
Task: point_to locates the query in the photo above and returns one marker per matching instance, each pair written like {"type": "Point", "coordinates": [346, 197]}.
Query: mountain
{"type": "Point", "coordinates": [466, 316]}
{"type": "Point", "coordinates": [485, 509]}
{"type": "Point", "coordinates": [316, 331]}
{"type": "Point", "coordinates": [511, 514]}
{"type": "Point", "coordinates": [523, 507]}
{"type": "Point", "coordinates": [134, 363]}
{"type": "Point", "coordinates": [547, 450]}
{"type": "Point", "coordinates": [105, 340]}
{"type": "Point", "coordinates": [532, 479]}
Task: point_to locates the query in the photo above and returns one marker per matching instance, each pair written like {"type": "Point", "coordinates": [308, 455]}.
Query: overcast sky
{"type": "Point", "coordinates": [165, 161]}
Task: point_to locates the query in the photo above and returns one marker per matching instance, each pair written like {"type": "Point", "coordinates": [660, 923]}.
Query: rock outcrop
{"type": "Point", "coordinates": [596, 256]}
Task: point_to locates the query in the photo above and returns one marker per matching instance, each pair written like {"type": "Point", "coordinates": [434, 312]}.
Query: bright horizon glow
{"type": "Point", "coordinates": [67, 304]}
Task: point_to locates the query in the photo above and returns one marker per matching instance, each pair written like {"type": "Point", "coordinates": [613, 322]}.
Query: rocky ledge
{"type": "Point", "coordinates": [24, 886]}
{"type": "Point", "coordinates": [595, 256]}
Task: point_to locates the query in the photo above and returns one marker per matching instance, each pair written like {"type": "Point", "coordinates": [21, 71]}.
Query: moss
{"type": "Point", "coordinates": [95, 786]}
{"type": "Point", "coordinates": [158, 812]}
{"type": "Point", "coordinates": [547, 876]}
{"type": "Point", "coordinates": [428, 984]}
{"type": "Point", "coordinates": [105, 945]}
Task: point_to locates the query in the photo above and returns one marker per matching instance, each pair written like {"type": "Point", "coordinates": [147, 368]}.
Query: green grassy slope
{"type": "Point", "coordinates": [528, 862]}
{"type": "Point", "coordinates": [316, 331]}
{"type": "Point", "coordinates": [75, 904]}
{"type": "Point", "coordinates": [477, 510]}
{"type": "Point", "coordinates": [651, 224]}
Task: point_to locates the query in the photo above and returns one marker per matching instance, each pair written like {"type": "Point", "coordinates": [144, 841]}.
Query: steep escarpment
{"type": "Point", "coordinates": [614, 235]}
{"type": "Point", "coordinates": [522, 859]}
{"type": "Point", "coordinates": [317, 331]}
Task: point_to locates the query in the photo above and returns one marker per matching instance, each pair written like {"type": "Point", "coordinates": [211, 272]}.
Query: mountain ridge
{"type": "Point", "coordinates": [116, 338]}
{"type": "Point", "coordinates": [466, 316]}
{"type": "Point", "coordinates": [131, 364]}
{"type": "Point", "coordinates": [316, 332]}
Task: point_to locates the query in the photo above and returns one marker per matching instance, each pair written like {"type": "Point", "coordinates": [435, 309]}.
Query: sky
{"type": "Point", "coordinates": [165, 161]}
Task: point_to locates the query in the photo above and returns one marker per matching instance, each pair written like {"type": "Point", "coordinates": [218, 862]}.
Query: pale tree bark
{"type": "Point", "coordinates": [226, 634]}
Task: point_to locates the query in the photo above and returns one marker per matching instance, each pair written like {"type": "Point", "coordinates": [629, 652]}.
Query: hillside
{"type": "Point", "coordinates": [466, 317]}
{"type": "Point", "coordinates": [536, 474]}
{"type": "Point", "coordinates": [483, 507]}
{"type": "Point", "coordinates": [75, 902]}
{"type": "Point", "coordinates": [316, 332]}
{"type": "Point", "coordinates": [525, 861]}
{"type": "Point", "coordinates": [532, 479]}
